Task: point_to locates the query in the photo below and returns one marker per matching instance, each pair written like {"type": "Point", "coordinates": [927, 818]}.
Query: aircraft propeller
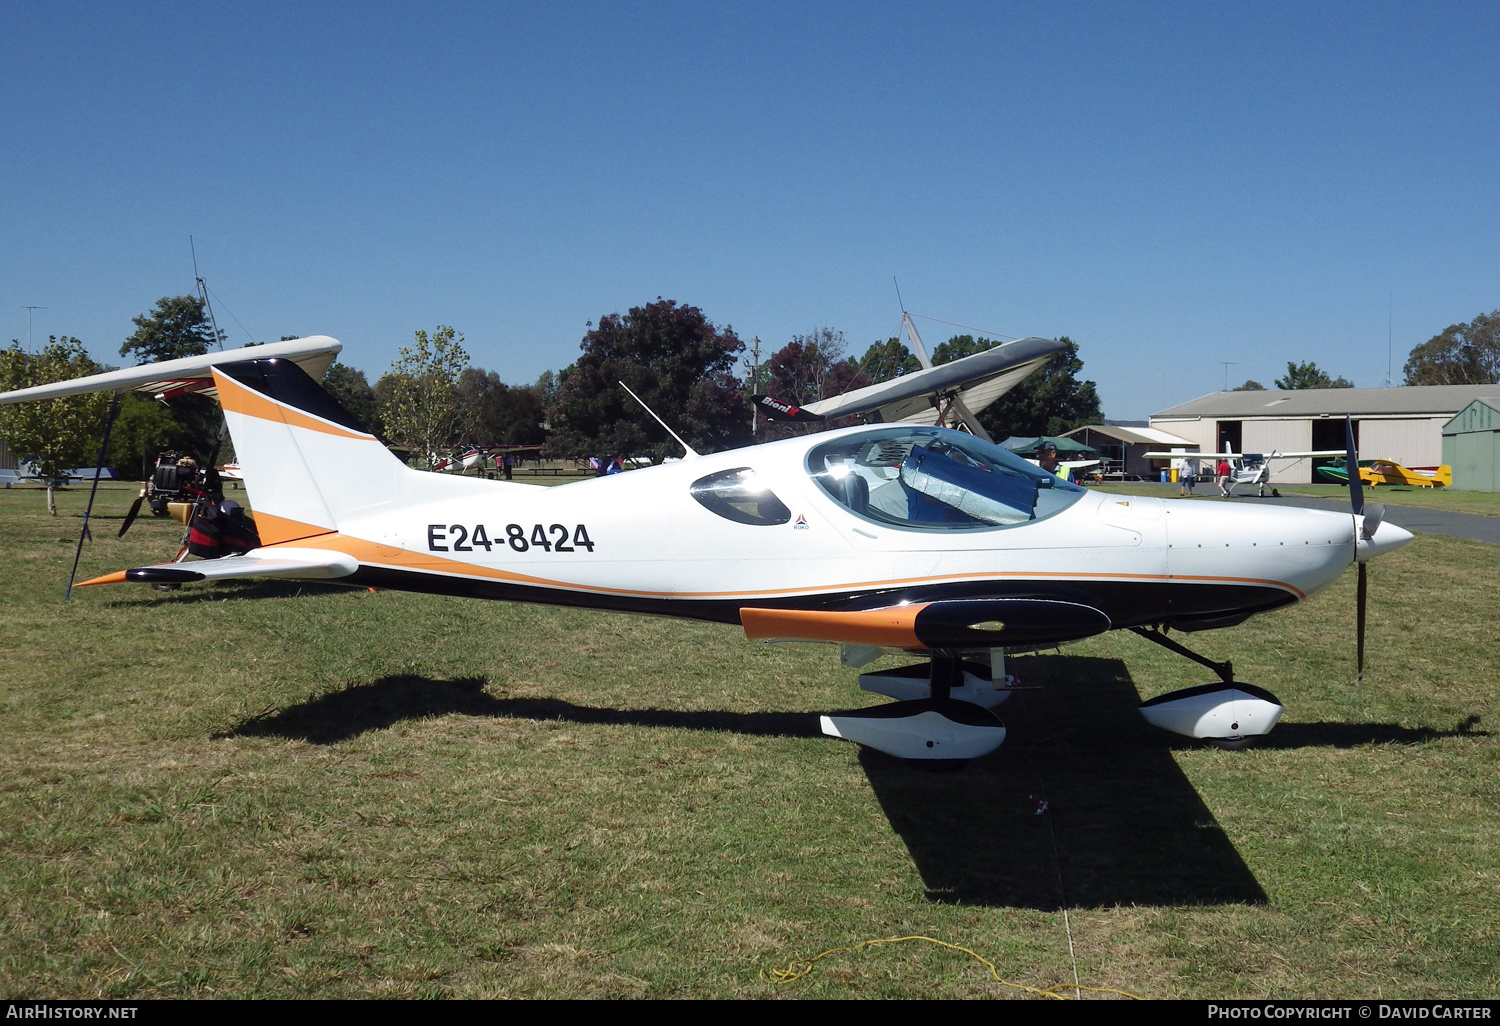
{"type": "Point", "coordinates": [1368, 525]}
{"type": "Point", "coordinates": [135, 508]}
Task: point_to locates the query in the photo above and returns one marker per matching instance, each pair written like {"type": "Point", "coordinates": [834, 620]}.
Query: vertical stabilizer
{"type": "Point", "coordinates": [308, 463]}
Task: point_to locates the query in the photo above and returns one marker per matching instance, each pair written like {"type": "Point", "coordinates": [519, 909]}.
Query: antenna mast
{"type": "Point", "coordinates": [28, 325]}
{"type": "Point", "coordinates": [691, 452]}
{"type": "Point", "coordinates": [203, 295]}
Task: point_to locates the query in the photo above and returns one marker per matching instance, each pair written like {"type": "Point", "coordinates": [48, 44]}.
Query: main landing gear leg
{"type": "Point", "coordinates": [936, 720]}
{"type": "Point", "coordinates": [1228, 714]}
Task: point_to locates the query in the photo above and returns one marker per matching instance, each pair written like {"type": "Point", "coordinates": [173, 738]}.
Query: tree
{"type": "Point", "coordinates": [673, 358]}
{"type": "Point", "coordinates": [1250, 385]}
{"type": "Point", "coordinates": [493, 413]}
{"type": "Point", "coordinates": [1463, 354]}
{"type": "Point", "coordinates": [812, 367]}
{"type": "Point", "coordinates": [1307, 375]}
{"type": "Point", "coordinates": [178, 327]}
{"type": "Point", "coordinates": [55, 434]}
{"type": "Point", "coordinates": [354, 394]}
{"type": "Point", "coordinates": [889, 359]}
{"type": "Point", "coordinates": [1048, 402]}
{"type": "Point", "coordinates": [143, 427]}
{"type": "Point", "coordinates": [420, 408]}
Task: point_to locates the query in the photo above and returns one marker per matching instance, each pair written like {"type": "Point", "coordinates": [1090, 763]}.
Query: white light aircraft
{"type": "Point", "coordinates": [892, 537]}
{"type": "Point", "coordinates": [1250, 469]}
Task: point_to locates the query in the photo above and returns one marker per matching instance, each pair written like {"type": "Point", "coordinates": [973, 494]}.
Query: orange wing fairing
{"type": "Point", "coordinates": [891, 627]}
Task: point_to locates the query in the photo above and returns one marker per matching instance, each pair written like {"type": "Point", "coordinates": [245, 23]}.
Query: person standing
{"type": "Point", "coordinates": [1189, 475]}
{"type": "Point", "coordinates": [1046, 458]}
{"type": "Point", "coordinates": [1224, 472]}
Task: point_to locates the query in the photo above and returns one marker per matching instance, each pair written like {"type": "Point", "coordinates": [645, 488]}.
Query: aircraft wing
{"type": "Point", "coordinates": [1240, 455]}
{"type": "Point", "coordinates": [171, 378]}
{"type": "Point", "coordinates": [286, 562]}
{"type": "Point", "coordinates": [978, 381]}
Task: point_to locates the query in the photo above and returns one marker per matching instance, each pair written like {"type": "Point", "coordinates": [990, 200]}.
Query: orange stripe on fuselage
{"type": "Point", "coordinates": [274, 530]}
{"type": "Point", "coordinates": [236, 398]}
{"type": "Point", "coordinates": [375, 554]}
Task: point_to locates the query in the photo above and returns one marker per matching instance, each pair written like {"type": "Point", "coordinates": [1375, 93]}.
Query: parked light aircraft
{"type": "Point", "coordinates": [1250, 469]}
{"type": "Point", "coordinates": [891, 537]}
{"type": "Point", "coordinates": [1378, 472]}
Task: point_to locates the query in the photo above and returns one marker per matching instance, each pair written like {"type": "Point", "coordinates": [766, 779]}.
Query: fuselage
{"type": "Point", "coordinates": [641, 541]}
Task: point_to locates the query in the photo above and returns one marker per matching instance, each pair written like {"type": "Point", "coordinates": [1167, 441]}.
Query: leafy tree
{"type": "Point", "coordinates": [547, 384]}
{"type": "Point", "coordinates": [143, 427]}
{"type": "Point", "coordinates": [1049, 402]}
{"type": "Point", "coordinates": [420, 407]}
{"type": "Point", "coordinates": [813, 367]}
{"type": "Point", "coordinates": [354, 394]}
{"type": "Point", "coordinates": [1463, 354]}
{"type": "Point", "coordinates": [493, 413]}
{"type": "Point", "coordinates": [889, 359]}
{"type": "Point", "coordinates": [959, 346]}
{"type": "Point", "coordinates": [1307, 375]}
{"type": "Point", "coordinates": [178, 327]}
{"type": "Point", "coordinates": [54, 433]}
{"type": "Point", "coordinates": [673, 358]}
{"type": "Point", "coordinates": [1250, 385]}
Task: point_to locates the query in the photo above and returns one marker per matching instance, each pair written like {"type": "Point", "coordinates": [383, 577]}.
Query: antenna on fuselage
{"type": "Point", "coordinates": [691, 452]}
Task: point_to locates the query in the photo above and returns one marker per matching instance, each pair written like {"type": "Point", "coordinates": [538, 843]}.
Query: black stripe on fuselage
{"type": "Point", "coordinates": [1126, 603]}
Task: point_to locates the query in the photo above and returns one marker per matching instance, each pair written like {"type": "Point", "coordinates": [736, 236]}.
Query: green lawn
{"type": "Point", "coordinates": [1481, 503]}
{"type": "Point", "coordinates": [281, 790]}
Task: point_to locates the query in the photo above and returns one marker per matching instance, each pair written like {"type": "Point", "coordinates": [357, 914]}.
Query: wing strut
{"type": "Point", "coordinates": [114, 408]}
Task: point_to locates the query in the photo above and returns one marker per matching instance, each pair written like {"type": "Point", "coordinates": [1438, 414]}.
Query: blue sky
{"type": "Point", "coordinates": [1170, 185]}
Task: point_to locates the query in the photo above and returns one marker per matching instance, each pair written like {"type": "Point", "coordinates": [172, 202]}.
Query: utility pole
{"type": "Point", "coordinates": [754, 388]}
{"type": "Point", "coordinates": [28, 325]}
{"type": "Point", "coordinates": [1228, 364]}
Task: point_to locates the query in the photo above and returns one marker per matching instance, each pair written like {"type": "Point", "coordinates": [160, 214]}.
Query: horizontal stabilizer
{"type": "Point", "coordinates": [191, 374]}
{"type": "Point", "coordinates": [290, 563]}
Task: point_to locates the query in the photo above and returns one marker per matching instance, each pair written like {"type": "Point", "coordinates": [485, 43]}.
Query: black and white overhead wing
{"type": "Point", "coordinates": [975, 381]}
{"type": "Point", "coordinates": [169, 378]}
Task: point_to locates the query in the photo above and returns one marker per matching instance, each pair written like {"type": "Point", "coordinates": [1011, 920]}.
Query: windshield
{"type": "Point", "coordinates": [934, 478]}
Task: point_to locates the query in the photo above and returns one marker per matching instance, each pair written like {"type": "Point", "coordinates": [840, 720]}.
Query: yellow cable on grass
{"type": "Point", "coordinates": [801, 968]}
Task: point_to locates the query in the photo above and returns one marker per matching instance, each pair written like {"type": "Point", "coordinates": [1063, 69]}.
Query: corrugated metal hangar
{"type": "Point", "coordinates": [1471, 445]}
{"type": "Point", "coordinates": [1403, 424]}
{"type": "Point", "coordinates": [1124, 448]}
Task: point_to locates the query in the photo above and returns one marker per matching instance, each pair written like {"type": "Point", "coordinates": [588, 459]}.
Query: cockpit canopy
{"type": "Point", "coordinates": [935, 479]}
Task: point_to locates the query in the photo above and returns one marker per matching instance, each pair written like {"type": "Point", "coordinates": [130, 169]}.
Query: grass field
{"type": "Point", "coordinates": [281, 790]}
{"type": "Point", "coordinates": [1479, 503]}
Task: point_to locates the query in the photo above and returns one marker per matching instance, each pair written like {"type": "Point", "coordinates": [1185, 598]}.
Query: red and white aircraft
{"type": "Point", "coordinates": [889, 537]}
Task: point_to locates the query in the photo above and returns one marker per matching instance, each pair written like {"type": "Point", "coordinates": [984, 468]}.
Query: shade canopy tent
{"type": "Point", "coordinates": [1066, 447]}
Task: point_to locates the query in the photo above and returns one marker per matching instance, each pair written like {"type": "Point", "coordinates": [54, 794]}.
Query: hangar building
{"type": "Point", "coordinates": [1124, 448]}
{"type": "Point", "coordinates": [1403, 424]}
{"type": "Point", "coordinates": [1471, 445]}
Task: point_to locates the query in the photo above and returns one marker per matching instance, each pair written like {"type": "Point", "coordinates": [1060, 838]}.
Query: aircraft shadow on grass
{"type": "Point", "coordinates": [1124, 825]}
{"type": "Point", "coordinates": [342, 715]}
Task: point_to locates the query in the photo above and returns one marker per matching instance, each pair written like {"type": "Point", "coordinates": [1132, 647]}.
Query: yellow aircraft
{"type": "Point", "coordinates": [1378, 472]}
